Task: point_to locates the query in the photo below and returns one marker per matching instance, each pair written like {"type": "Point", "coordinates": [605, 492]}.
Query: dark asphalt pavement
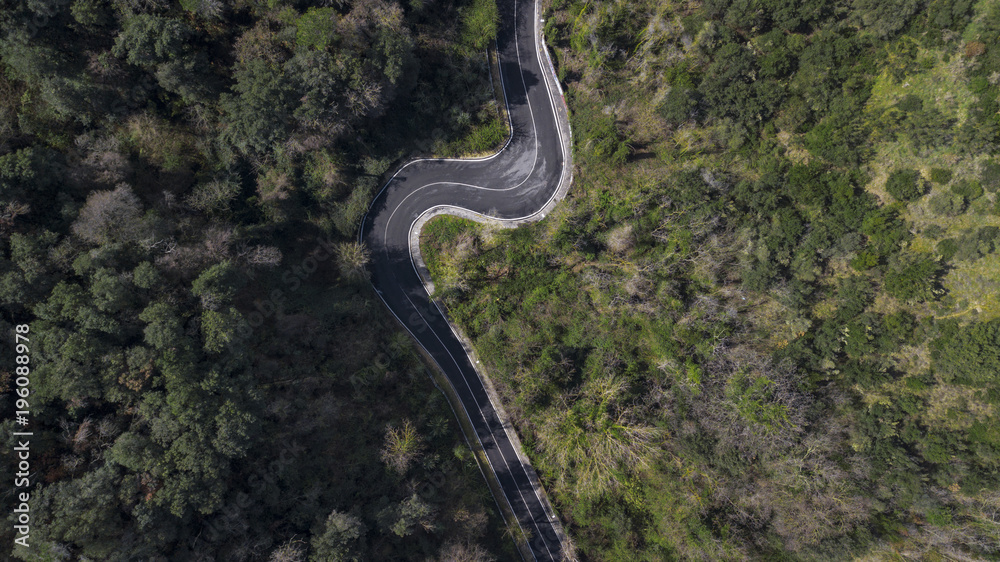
{"type": "Point", "coordinates": [514, 184]}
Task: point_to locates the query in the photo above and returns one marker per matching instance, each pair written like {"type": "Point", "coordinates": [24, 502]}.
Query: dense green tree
{"type": "Point", "coordinates": [218, 284]}
{"type": "Point", "coordinates": [837, 138]}
{"type": "Point", "coordinates": [316, 28]}
{"type": "Point", "coordinates": [221, 328]}
{"type": "Point", "coordinates": [949, 14]}
{"type": "Point", "coordinates": [905, 185]}
{"type": "Point", "coordinates": [913, 278]}
{"type": "Point", "coordinates": [731, 90]}
{"type": "Point", "coordinates": [80, 511]}
{"type": "Point", "coordinates": [779, 61]}
{"type": "Point", "coordinates": [797, 16]}
{"type": "Point", "coordinates": [190, 77]}
{"type": "Point", "coordinates": [970, 355]}
{"type": "Point", "coordinates": [884, 19]}
{"type": "Point", "coordinates": [260, 110]}
{"type": "Point", "coordinates": [148, 40]}
{"type": "Point", "coordinates": [110, 292]}
{"type": "Point", "coordinates": [163, 325]}
{"type": "Point", "coordinates": [407, 516]}
{"type": "Point", "coordinates": [145, 275]}
{"type": "Point", "coordinates": [967, 189]}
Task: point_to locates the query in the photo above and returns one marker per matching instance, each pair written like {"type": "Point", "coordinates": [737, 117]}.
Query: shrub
{"type": "Point", "coordinates": [978, 133]}
{"type": "Point", "coordinates": [905, 185]}
{"type": "Point", "coordinates": [947, 204]}
{"type": "Point", "coordinates": [941, 176]}
{"type": "Point", "coordinates": [599, 136]}
{"type": "Point", "coordinates": [837, 139]}
{"type": "Point", "coordinates": [885, 229]}
{"type": "Point", "coordinates": [795, 116]}
{"type": "Point", "coordinates": [929, 128]}
{"type": "Point", "coordinates": [910, 103]}
{"type": "Point", "coordinates": [968, 189]}
{"type": "Point", "coordinates": [990, 175]}
{"type": "Point", "coordinates": [897, 329]}
{"type": "Point", "coordinates": [680, 105]}
{"type": "Point", "coordinates": [479, 24]}
{"type": "Point", "coordinates": [933, 232]}
{"type": "Point", "coordinates": [913, 278]}
{"type": "Point", "coordinates": [731, 89]}
{"type": "Point", "coordinates": [973, 245]}
{"type": "Point", "coordinates": [621, 239]}
{"type": "Point", "coordinates": [970, 355]}
{"type": "Point", "coordinates": [988, 234]}
{"type": "Point", "coordinates": [974, 49]}
{"type": "Point", "coordinates": [968, 248]}
{"type": "Point", "coordinates": [487, 137]}
{"type": "Point", "coordinates": [947, 248]}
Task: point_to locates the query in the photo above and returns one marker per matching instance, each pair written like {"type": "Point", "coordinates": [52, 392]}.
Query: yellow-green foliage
{"type": "Point", "coordinates": [479, 24]}
{"type": "Point", "coordinates": [775, 214]}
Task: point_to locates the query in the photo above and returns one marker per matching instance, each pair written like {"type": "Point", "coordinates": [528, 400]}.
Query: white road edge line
{"type": "Point", "coordinates": [487, 422]}
{"type": "Point", "coordinates": [462, 404]}
{"type": "Point", "coordinates": [538, 213]}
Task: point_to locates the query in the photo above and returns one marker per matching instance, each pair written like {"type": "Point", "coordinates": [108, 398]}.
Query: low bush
{"type": "Point", "coordinates": [940, 176]}
{"type": "Point", "coordinates": [968, 189]}
{"type": "Point", "coordinates": [947, 204]}
{"type": "Point", "coordinates": [905, 185]}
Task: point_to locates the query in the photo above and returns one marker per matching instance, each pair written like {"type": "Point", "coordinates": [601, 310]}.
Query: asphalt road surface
{"type": "Point", "coordinates": [517, 183]}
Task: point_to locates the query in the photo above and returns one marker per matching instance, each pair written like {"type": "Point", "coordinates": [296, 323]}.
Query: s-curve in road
{"type": "Point", "coordinates": [518, 184]}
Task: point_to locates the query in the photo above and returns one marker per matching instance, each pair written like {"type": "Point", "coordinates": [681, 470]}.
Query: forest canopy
{"type": "Point", "coordinates": [180, 190]}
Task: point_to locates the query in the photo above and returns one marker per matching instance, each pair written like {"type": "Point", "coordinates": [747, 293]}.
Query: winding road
{"type": "Point", "coordinates": [520, 183]}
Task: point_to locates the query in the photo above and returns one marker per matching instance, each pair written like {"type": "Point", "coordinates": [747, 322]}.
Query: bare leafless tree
{"type": "Point", "coordinates": [464, 552]}
{"type": "Point", "coordinates": [292, 551]}
{"type": "Point", "coordinates": [261, 256]}
{"type": "Point", "coordinates": [110, 216]}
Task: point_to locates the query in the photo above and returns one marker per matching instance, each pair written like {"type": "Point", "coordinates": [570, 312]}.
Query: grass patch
{"type": "Point", "coordinates": [485, 138]}
{"type": "Point", "coordinates": [445, 242]}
